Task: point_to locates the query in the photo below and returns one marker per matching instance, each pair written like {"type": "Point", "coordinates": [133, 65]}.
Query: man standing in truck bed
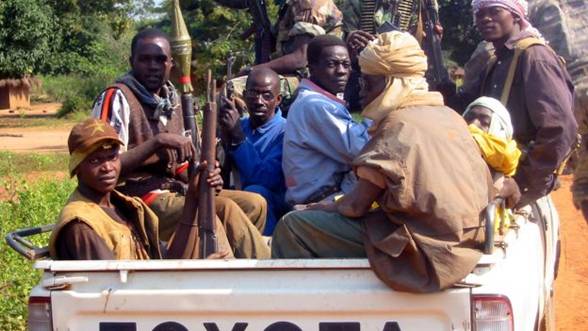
{"type": "Point", "coordinates": [144, 109]}
{"type": "Point", "coordinates": [531, 81]}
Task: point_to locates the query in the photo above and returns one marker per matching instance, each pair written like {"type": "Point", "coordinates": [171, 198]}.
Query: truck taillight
{"type": "Point", "coordinates": [40, 314]}
{"type": "Point", "coordinates": [492, 313]}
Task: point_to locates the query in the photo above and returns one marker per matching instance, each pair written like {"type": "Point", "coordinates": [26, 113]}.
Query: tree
{"type": "Point", "coordinates": [26, 29]}
{"type": "Point", "coordinates": [460, 36]}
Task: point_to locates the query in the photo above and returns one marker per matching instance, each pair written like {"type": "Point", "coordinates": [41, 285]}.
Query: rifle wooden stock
{"type": "Point", "coordinates": [206, 208]}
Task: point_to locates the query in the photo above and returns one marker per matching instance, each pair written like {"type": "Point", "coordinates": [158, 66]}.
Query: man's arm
{"type": "Point", "coordinates": [550, 102]}
{"type": "Point", "coordinates": [112, 107]}
{"type": "Point", "coordinates": [289, 64]}
{"type": "Point", "coordinates": [77, 241]}
{"type": "Point", "coordinates": [179, 149]}
{"type": "Point", "coordinates": [359, 201]}
{"type": "Point", "coordinates": [266, 171]}
{"type": "Point", "coordinates": [354, 204]}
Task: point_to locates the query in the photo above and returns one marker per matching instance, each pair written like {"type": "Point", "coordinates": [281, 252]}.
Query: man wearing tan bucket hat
{"type": "Point", "coordinates": [99, 223]}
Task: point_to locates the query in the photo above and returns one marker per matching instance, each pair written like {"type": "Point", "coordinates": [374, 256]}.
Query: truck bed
{"type": "Point", "coordinates": [247, 295]}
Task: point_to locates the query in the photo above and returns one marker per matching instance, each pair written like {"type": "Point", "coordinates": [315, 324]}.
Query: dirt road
{"type": "Point", "coordinates": [571, 287]}
{"type": "Point", "coordinates": [39, 139]}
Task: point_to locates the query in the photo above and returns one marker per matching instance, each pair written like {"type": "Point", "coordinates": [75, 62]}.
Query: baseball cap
{"type": "Point", "coordinates": [86, 137]}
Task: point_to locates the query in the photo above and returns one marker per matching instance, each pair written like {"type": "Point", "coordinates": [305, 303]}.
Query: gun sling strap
{"type": "Point", "coordinates": [519, 48]}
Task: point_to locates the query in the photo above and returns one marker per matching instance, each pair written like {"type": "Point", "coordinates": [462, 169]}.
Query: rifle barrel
{"type": "Point", "coordinates": [206, 207]}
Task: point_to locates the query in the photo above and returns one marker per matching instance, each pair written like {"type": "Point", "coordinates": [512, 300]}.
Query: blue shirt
{"type": "Point", "coordinates": [320, 142]}
{"type": "Point", "coordinates": [259, 157]}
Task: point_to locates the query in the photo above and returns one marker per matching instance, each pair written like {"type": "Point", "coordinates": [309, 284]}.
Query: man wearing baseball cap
{"type": "Point", "coordinates": [99, 223]}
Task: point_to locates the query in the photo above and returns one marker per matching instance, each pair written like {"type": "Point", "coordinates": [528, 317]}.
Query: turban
{"type": "Point", "coordinates": [396, 54]}
{"type": "Point", "coordinates": [399, 57]}
{"type": "Point", "coordinates": [500, 123]}
{"type": "Point", "coordinates": [519, 8]}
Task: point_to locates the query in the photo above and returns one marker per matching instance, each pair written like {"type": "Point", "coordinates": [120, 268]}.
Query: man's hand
{"type": "Point", "coordinates": [324, 206]}
{"type": "Point", "coordinates": [182, 145]}
{"type": "Point", "coordinates": [358, 40]}
{"type": "Point", "coordinates": [510, 192]}
{"type": "Point", "coordinates": [229, 120]}
{"type": "Point", "coordinates": [215, 179]}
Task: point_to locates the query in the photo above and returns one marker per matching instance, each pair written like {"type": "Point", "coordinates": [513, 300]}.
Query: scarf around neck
{"type": "Point", "coordinates": [163, 104]}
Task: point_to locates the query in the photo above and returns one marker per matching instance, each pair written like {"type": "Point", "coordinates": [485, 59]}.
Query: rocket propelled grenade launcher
{"type": "Point", "coordinates": [181, 45]}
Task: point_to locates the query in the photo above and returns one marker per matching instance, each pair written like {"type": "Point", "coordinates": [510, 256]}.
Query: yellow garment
{"type": "Point", "coordinates": [399, 57]}
{"type": "Point", "coordinates": [500, 154]}
{"type": "Point", "coordinates": [503, 219]}
{"type": "Point", "coordinates": [117, 237]}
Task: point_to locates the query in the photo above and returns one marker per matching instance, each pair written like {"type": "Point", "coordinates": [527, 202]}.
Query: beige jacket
{"type": "Point", "coordinates": [428, 233]}
{"type": "Point", "coordinates": [117, 237]}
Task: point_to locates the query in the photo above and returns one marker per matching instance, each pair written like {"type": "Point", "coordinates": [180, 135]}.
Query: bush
{"type": "Point", "coordinates": [35, 205]}
{"type": "Point", "coordinates": [76, 92]}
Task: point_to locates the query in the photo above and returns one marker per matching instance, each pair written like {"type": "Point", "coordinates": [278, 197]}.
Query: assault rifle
{"type": "Point", "coordinates": [262, 27]}
{"type": "Point", "coordinates": [206, 209]}
{"type": "Point", "coordinates": [436, 72]}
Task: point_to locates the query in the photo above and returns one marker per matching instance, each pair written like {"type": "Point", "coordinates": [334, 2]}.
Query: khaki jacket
{"type": "Point", "coordinates": [117, 237]}
{"type": "Point", "coordinates": [428, 233]}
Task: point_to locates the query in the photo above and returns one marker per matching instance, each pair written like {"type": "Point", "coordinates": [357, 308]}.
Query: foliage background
{"type": "Point", "coordinates": [24, 204]}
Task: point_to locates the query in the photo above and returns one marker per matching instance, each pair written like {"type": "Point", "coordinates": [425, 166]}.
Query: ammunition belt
{"type": "Point", "coordinates": [405, 12]}
{"type": "Point", "coordinates": [366, 19]}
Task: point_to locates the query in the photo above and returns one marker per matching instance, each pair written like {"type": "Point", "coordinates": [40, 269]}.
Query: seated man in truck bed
{"type": "Point", "coordinates": [99, 223]}
{"type": "Point", "coordinates": [422, 167]}
{"type": "Point", "coordinates": [321, 137]}
{"type": "Point", "coordinates": [256, 142]}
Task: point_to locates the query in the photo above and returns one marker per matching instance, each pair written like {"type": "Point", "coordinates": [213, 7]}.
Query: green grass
{"type": "Point", "coordinates": [30, 203]}
{"type": "Point", "coordinates": [16, 163]}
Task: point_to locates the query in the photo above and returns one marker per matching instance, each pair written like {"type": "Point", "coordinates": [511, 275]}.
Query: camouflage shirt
{"type": "Point", "coordinates": [312, 17]}
{"type": "Point", "coordinates": [386, 11]}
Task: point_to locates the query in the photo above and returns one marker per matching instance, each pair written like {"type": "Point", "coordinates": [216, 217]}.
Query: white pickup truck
{"type": "Point", "coordinates": [510, 289]}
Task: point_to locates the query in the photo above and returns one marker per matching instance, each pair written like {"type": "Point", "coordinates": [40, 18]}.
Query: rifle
{"type": "Point", "coordinates": [206, 209]}
{"type": "Point", "coordinates": [262, 27]}
{"type": "Point", "coordinates": [229, 93]}
{"type": "Point", "coordinates": [436, 72]}
{"type": "Point", "coordinates": [181, 45]}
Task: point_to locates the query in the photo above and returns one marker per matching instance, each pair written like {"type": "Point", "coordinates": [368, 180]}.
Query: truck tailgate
{"type": "Point", "coordinates": [245, 295]}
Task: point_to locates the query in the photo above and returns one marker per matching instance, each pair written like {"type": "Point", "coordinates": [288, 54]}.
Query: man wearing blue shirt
{"type": "Point", "coordinates": [256, 141]}
{"type": "Point", "coordinates": [321, 138]}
